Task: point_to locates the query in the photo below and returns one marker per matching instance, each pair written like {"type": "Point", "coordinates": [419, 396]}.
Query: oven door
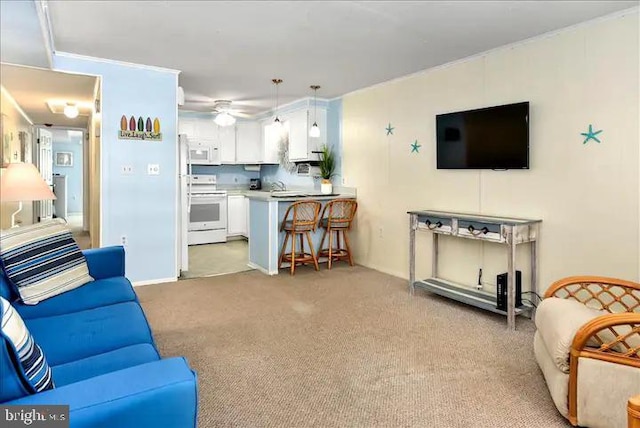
{"type": "Point", "coordinates": [208, 212]}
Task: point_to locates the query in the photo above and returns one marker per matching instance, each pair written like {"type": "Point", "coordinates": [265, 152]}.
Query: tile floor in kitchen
{"type": "Point", "coordinates": [217, 259]}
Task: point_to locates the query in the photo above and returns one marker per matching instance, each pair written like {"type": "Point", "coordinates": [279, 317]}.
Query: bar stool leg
{"type": "Point", "coordinates": [282, 250]}
{"type": "Point", "coordinates": [293, 254]}
{"type": "Point", "coordinates": [346, 242]}
{"type": "Point", "coordinates": [324, 235]}
{"type": "Point", "coordinates": [330, 247]}
{"type": "Point", "coordinates": [313, 252]}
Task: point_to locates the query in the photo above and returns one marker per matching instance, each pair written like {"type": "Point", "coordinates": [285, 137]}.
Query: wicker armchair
{"type": "Point", "coordinates": [589, 352]}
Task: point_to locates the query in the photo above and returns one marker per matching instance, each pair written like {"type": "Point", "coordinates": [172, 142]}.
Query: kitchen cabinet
{"type": "Point", "coordinates": [272, 134]}
{"type": "Point", "coordinates": [248, 142]}
{"type": "Point", "coordinates": [198, 129]}
{"type": "Point", "coordinates": [301, 145]}
{"type": "Point", "coordinates": [227, 143]}
{"type": "Point", "coordinates": [236, 215]}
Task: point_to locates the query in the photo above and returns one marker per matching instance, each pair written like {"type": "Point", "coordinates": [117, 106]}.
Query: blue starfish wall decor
{"type": "Point", "coordinates": [590, 135]}
{"type": "Point", "coordinates": [389, 129]}
{"type": "Point", "coordinates": [415, 147]}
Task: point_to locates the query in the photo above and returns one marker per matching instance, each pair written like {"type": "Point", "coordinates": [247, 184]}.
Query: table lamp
{"type": "Point", "coordinates": [22, 182]}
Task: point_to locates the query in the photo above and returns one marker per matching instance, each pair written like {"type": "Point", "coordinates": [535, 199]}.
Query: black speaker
{"type": "Point", "coordinates": [501, 290]}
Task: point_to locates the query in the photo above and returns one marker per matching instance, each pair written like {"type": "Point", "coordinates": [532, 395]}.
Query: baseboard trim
{"type": "Point", "coordinates": [154, 281]}
{"type": "Point", "coordinates": [261, 269]}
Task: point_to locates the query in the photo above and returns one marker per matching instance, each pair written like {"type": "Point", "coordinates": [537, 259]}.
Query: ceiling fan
{"type": "Point", "coordinates": [226, 114]}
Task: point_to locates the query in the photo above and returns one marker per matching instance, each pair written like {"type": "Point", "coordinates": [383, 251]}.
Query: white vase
{"type": "Point", "coordinates": [326, 187]}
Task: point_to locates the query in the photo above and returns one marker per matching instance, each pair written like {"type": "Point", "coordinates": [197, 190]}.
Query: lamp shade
{"type": "Point", "coordinates": [22, 182]}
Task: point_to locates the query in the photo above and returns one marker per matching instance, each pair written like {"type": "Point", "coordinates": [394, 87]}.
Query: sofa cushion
{"type": "Point", "coordinates": [102, 292]}
{"type": "Point", "coordinates": [31, 363]}
{"type": "Point", "coordinates": [71, 337]}
{"type": "Point", "coordinates": [100, 364]}
{"type": "Point", "coordinates": [42, 260]}
{"type": "Point", "coordinates": [558, 321]}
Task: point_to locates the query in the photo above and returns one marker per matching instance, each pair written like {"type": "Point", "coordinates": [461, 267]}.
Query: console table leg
{"type": "Point", "coordinates": [534, 275]}
{"type": "Point", "coordinates": [413, 224]}
{"type": "Point", "coordinates": [511, 276]}
{"type": "Point", "coordinates": [434, 256]}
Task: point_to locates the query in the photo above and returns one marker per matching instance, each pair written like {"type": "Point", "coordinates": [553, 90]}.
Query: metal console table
{"type": "Point", "coordinates": [501, 230]}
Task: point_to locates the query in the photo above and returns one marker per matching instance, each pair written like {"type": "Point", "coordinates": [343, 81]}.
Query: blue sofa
{"type": "Point", "coordinates": [103, 359]}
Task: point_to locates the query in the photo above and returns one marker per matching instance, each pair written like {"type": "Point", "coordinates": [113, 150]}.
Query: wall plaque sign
{"type": "Point", "coordinates": [133, 129]}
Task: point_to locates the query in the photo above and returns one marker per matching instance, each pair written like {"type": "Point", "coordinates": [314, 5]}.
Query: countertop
{"type": "Point", "coordinates": [265, 195]}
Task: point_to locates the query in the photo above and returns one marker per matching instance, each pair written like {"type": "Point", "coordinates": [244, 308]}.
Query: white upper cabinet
{"type": "Point", "coordinates": [227, 144]}
{"type": "Point", "coordinates": [248, 142]}
{"type": "Point", "coordinates": [272, 134]}
{"type": "Point", "coordinates": [301, 145]}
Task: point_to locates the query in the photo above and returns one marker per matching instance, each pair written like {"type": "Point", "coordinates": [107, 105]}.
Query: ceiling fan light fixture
{"type": "Point", "coordinates": [224, 119]}
{"type": "Point", "coordinates": [71, 111]}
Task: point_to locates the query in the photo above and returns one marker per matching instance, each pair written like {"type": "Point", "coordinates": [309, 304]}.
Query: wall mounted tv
{"type": "Point", "coordinates": [486, 138]}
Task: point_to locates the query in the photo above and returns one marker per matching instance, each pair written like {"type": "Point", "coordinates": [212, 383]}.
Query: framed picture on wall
{"type": "Point", "coordinates": [25, 146]}
{"type": "Point", "coordinates": [64, 159]}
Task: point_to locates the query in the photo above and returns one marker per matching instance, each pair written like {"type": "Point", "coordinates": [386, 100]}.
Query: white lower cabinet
{"type": "Point", "coordinates": [236, 215]}
{"type": "Point", "coordinates": [246, 204]}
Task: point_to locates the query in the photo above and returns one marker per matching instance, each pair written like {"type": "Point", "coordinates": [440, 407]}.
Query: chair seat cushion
{"type": "Point", "coordinates": [100, 364]}
{"type": "Point", "coordinates": [102, 292]}
{"type": "Point", "coordinates": [42, 260]}
{"type": "Point", "coordinates": [71, 337]}
{"type": "Point", "coordinates": [334, 225]}
{"type": "Point", "coordinates": [288, 225]}
{"type": "Point", "coordinates": [558, 321]}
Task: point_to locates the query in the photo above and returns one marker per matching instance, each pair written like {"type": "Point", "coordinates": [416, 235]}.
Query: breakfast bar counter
{"type": "Point", "coordinates": [266, 212]}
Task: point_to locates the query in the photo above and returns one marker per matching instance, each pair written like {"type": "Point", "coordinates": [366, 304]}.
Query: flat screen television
{"type": "Point", "coordinates": [486, 138]}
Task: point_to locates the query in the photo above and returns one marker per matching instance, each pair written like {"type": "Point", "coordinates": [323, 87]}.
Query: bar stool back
{"type": "Point", "coordinates": [304, 219]}
{"type": "Point", "coordinates": [338, 218]}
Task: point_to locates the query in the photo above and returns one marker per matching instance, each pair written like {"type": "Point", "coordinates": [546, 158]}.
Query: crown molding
{"type": "Point", "coordinates": [116, 62]}
{"type": "Point", "coordinates": [15, 104]}
{"type": "Point", "coordinates": [42, 10]}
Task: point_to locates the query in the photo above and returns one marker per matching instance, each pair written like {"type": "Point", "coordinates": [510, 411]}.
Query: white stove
{"type": "Point", "coordinates": [206, 210]}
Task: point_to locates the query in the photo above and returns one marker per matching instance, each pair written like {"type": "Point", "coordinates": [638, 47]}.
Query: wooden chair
{"type": "Point", "coordinates": [633, 410]}
{"type": "Point", "coordinates": [602, 362]}
{"type": "Point", "coordinates": [304, 219]}
{"type": "Point", "coordinates": [337, 216]}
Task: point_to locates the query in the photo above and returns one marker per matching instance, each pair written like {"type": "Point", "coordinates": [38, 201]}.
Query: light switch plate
{"type": "Point", "coordinates": [153, 169]}
{"type": "Point", "coordinates": [126, 170]}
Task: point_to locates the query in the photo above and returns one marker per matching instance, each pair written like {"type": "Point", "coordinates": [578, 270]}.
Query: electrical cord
{"type": "Point", "coordinates": [534, 293]}
{"type": "Point", "coordinates": [529, 301]}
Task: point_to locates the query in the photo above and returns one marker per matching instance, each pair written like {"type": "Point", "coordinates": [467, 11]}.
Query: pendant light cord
{"type": "Point", "coordinates": [277, 82]}
{"type": "Point", "coordinates": [315, 103]}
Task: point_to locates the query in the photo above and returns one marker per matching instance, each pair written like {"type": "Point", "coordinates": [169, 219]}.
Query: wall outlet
{"type": "Point", "coordinates": [126, 169]}
{"type": "Point", "coordinates": [380, 233]}
{"type": "Point", "coordinates": [124, 240]}
{"type": "Point", "coordinates": [153, 169]}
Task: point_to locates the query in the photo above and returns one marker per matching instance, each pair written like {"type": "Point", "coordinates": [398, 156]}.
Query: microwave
{"type": "Point", "coordinates": [203, 154]}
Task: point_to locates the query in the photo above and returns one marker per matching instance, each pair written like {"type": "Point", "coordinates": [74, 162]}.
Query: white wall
{"type": "Point", "coordinates": [13, 122]}
{"type": "Point", "coordinates": [587, 195]}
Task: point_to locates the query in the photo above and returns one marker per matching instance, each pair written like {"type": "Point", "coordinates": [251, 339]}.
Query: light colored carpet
{"type": "Point", "coordinates": [217, 259]}
{"type": "Point", "coordinates": [346, 348]}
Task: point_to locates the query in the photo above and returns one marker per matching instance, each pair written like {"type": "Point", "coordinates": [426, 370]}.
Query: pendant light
{"type": "Point", "coordinates": [314, 131]}
{"type": "Point", "coordinates": [276, 121]}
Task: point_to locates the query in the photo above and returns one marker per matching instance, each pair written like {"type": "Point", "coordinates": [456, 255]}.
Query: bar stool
{"type": "Point", "coordinates": [304, 220]}
{"type": "Point", "coordinates": [339, 215]}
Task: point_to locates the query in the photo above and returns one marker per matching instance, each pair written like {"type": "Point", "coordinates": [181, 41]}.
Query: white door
{"type": "Point", "coordinates": [227, 144]}
{"type": "Point", "coordinates": [43, 210]}
{"type": "Point", "coordinates": [183, 203]}
{"type": "Point", "coordinates": [236, 219]}
{"type": "Point", "coordinates": [298, 135]}
{"type": "Point", "coordinates": [248, 142]}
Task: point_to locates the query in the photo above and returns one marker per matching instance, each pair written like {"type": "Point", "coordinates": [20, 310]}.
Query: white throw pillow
{"type": "Point", "coordinates": [42, 260]}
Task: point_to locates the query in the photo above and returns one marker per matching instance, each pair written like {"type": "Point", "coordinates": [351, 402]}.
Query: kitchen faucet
{"type": "Point", "coordinates": [278, 185]}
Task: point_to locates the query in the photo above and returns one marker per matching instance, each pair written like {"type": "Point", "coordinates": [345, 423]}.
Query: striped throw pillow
{"type": "Point", "coordinates": [42, 260]}
{"type": "Point", "coordinates": [33, 368]}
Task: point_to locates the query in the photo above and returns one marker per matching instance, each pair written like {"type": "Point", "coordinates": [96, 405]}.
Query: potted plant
{"type": "Point", "coordinates": [327, 169]}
